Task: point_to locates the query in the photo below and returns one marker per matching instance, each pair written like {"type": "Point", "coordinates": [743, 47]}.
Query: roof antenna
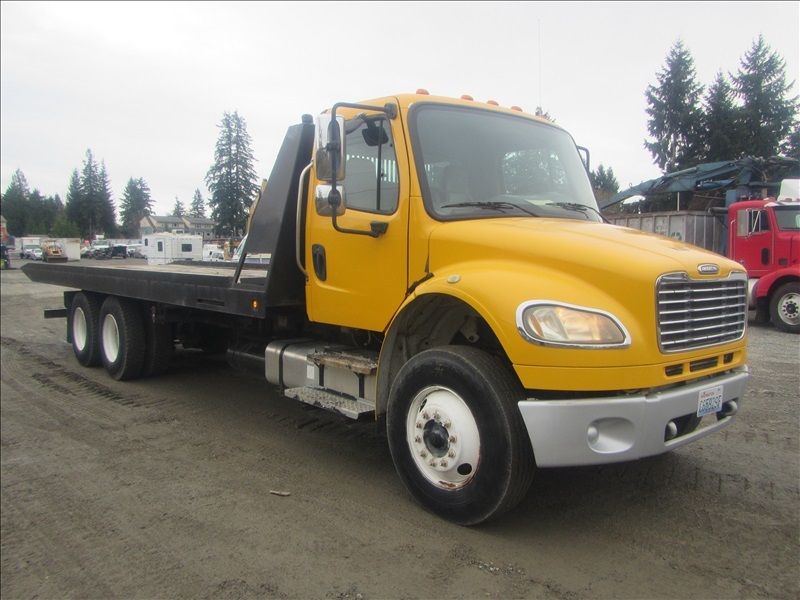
{"type": "Point", "coordinates": [539, 26]}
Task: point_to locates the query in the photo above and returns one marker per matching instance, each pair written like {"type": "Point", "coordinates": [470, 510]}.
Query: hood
{"type": "Point", "coordinates": [586, 249]}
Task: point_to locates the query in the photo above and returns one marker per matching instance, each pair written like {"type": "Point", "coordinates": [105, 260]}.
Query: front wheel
{"type": "Point", "coordinates": [456, 435]}
{"type": "Point", "coordinates": [784, 307]}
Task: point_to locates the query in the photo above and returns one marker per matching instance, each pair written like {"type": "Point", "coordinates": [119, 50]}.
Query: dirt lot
{"type": "Point", "coordinates": [161, 488]}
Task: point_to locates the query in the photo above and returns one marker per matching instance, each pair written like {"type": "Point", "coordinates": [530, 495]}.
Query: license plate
{"type": "Point", "coordinates": [710, 401]}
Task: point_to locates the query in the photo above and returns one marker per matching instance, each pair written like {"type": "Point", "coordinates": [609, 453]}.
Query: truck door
{"type": "Point", "coordinates": [753, 241]}
{"type": "Point", "coordinates": [357, 280]}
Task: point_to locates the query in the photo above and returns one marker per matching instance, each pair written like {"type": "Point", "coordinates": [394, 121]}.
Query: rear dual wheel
{"type": "Point", "coordinates": [84, 319]}
{"type": "Point", "coordinates": [119, 334]}
{"type": "Point", "coordinates": [122, 338]}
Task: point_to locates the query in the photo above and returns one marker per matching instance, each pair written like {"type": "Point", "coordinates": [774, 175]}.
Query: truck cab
{"type": "Point", "coordinates": [764, 237]}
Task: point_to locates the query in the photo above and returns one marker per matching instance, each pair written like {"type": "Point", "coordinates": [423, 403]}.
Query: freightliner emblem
{"type": "Point", "coordinates": [708, 269]}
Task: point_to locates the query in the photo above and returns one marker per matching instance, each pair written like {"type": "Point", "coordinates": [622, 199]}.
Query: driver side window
{"type": "Point", "coordinates": [371, 182]}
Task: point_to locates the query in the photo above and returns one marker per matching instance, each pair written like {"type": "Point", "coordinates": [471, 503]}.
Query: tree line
{"type": "Point", "coordinates": [89, 209]}
{"type": "Point", "coordinates": [745, 113]}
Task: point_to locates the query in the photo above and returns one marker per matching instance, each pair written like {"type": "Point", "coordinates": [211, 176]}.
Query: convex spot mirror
{"type": "Point", "coordinates": [330, 151]}
{"type": "Point", "coordinates": [324, 202]}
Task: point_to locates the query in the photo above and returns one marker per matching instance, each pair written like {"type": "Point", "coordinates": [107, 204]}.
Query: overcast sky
{"type": "Point", "coordinates": [145, 85]}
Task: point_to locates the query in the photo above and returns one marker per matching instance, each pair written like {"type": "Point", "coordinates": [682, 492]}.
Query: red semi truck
{"type": "Point", "coordinates": [764, 237]}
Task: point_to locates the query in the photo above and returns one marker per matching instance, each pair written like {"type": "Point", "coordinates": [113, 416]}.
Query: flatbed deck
{"type": "Point", "coordinates": [205, 286]}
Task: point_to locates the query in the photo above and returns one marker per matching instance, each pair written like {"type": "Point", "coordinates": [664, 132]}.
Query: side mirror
{"type": "Point", "coordinates": [325, 203]}
{"type": "Point", "coordinates": [330, 150]}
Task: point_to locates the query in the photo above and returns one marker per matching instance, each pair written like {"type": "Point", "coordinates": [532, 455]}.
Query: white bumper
{"type": "Point", "coordinates": [606, 430]}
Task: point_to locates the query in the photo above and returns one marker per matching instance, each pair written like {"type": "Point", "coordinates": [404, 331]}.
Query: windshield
{"type": "Point", "coordinates": [479, 164]}
{"type": "Point", "coordinates": [788, 217]}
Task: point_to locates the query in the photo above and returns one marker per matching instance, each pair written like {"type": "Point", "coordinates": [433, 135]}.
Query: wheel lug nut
{"type": "Point", "coordinates": [436, 415]}
{"type": "Point", "coordinates": [425, 415]}
{"type": "Point", "coordinates": [447, 424]}
{"type": "Point", "coordinates": [433, 462]}
{"type": "Point", "coordinates": [453, 439]}
{"type": "Point", "coordinates": [419, 424]}
{"type": "Point", "coordinates": [423, 454]}
{"type": "Point", "coordinates": [443, 463]}
{"type": "Point", "coordinates": [418, 439]}
{"type": "Point", "coordinates": [451, 454]}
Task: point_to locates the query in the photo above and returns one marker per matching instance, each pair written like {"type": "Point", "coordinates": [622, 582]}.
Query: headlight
{"type": "Point", "coordinates": [556, 324]}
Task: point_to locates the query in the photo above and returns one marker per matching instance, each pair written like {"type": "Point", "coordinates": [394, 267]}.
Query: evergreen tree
{"type": "Point", "coordinates": [604, 183]}
{"type": "Point", "coordinates": [108, 216]}
{"type": "Point", "coordinates": [89, 203]}
{"type": "Point", "coordinates": [198, 206]}
{"type": "Point", "coordinates": [720, 136]}
{"type": "Point", "coordinates": [178, 209]}
{"type": "Point", "coordinates": [674, 112]}
{"type": "Point", "coordinates": [767, 115]}
{"type": "Point", "coordinates": [794, 142]}
{"type": "Point", "coordinates": [136, 203]}
{"type": "Point", "coordinates": [540, 112]}
{"type": "Point", "coordinates": [14, 204]}
{"type": "Point", "coordinates": [232, 179]}
{"type": "Point", "coordinates": [63, 227]}
{"type": "Point", "coordinates": [84, 201]}
{"type": "Point", "coordinates": [76, 205]}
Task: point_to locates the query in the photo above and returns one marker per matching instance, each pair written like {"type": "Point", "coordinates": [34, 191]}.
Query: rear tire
{"type": "Point", "coordinates": [121, 338]}
{"type": "Point", "coordinates": [84, 323]}
{"type": "Point", "coordinates": [456, 434]}
{"type": "Point", "coordinates": [784, 307]}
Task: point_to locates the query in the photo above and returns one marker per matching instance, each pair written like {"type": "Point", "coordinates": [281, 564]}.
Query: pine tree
{"type": "Point", "coordinates": [767, 115]}
{"type": "Point", "coordinates": [604, 183]}
{"type": "Point", "coordinates": [14, 204]}
{"type": "Point", "coordinates": [232, 178]}
{"type": "Point", "coordinates": [89, 202]}
{"type": "Point", "coordinates": [198, 206]}
{"type": "Point", "coordinates": [136, 203]}
{"type": "Point", "coordinates": [178, 208]}
{"type": "Point", "coordinates": [674, 112]}
{"type": "Point", "coordinates": [108, 216]}
{"type": "Point", "coordinates": [719, 134]}
{"type": "Point", "coordinates": [76, 205]}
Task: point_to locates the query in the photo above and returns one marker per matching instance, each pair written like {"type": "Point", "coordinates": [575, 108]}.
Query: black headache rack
{"type": "Point", "coordinates": [249, 290]}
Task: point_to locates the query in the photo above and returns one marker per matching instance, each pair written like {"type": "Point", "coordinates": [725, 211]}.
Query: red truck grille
{"type": "Point", "coordinates": [695, 313]}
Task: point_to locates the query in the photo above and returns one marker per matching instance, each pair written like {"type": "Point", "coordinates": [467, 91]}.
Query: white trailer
{"type": "Point", "coordinates": [164, 248]}
{"type": "Point", "coordinates": [70, 247]}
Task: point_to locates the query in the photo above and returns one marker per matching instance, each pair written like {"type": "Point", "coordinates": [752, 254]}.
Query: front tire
{"type": "Point", "coordinates": [784, 307]}
{"type": "Point", "coordinates": [121, 338]}
{"type": "Point", "coordinates": [456, 435]}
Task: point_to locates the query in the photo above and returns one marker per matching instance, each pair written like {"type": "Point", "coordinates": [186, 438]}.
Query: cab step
{"type": "Point", "coordinates": [349, 407]}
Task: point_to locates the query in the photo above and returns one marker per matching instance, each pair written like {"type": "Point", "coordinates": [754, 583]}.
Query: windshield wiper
{"type": "Point", "coordinates": [579, 208]}
{"type": "Point", "coordinates": [501, 206]}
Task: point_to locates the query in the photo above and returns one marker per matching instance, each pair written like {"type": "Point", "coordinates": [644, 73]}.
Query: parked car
{"type": "Point", "coordinates": [36, 254]}
{"type": "Point", "coordinates": [109, 252]}
{"type": "Point", "coordinates": [27, 251]}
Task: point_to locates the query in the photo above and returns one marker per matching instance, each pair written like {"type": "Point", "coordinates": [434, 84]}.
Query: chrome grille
{"type": "Point", "coordinates": [697, 313]}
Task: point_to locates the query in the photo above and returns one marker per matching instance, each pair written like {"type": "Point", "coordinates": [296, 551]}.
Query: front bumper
{"type": "Point", "coordinates": [616, 429]}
